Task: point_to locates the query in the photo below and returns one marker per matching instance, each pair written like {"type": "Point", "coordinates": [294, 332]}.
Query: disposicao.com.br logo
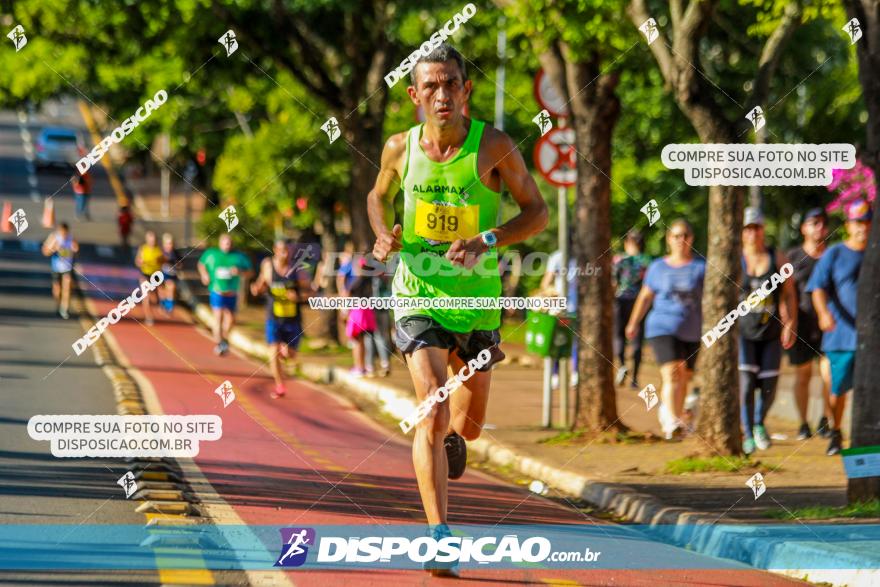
{"type": "Point", "coordinates": [398, 547]}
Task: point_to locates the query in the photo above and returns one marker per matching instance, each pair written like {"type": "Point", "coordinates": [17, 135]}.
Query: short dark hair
{"type": "Point", "coordinates": [64, 225]}
{"type": "Point", "coordinates": [441, 54]}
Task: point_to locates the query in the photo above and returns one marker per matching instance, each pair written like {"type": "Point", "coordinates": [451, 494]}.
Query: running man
{"type": "Point", "coordinates": [834, 286]}
{"type": "Point", "coordinates": [61, 247]}
{"type": "Point", "coordinates": [450, 170]}
{"type": "Point", "coordinates": [285, 286]}
{"type": "Point", "coordinates": [220, 270]}
{"type": "Point", "coordinates": [149, 259]}
{"type": "Point", "coordinates": [803, 258]}
{"type": "Point", "coordinates": [169, 270]}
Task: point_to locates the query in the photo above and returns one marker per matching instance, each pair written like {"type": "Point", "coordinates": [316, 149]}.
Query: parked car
{"type": "Point", "coordinates": [58, 146]}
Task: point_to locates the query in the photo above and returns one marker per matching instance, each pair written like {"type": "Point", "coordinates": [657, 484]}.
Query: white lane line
{"type": "Point", "coordinates": [35, 195]}
{"type": "Point", "coordinates": [105, 251]}
{"type": "Point", "coordinates": [32, 180]}
{"type": "Point", "coordinates": [22, 117]}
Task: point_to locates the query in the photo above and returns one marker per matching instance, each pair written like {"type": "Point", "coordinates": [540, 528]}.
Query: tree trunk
{"type": "Point", "coordinates": [718, 423]}
{"type": "Point", "coordinates": [866, 389]}
{"type": "Point", "coordinates": [365, 136]}
{"type": "Point", "coordinates": [595, 110]}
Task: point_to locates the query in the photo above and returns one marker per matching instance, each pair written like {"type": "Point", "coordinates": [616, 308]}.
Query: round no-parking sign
{"type": "Point", "coordinates": [555, 157]}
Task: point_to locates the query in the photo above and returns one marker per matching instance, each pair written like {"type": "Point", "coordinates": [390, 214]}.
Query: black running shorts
{"type": "Point", "coordinates": [415, 332]}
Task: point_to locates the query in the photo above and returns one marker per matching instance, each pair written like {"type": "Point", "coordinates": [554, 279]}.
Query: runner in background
{"type": "Point", "coordinates": [221, 269]}
{"type": "Point", "coordinates": [673, 291]}
{"type": "Point", "coordinates": [171, 261]}
{"type": "Point", "coordinates": [814, 228]}
{"type": "Point", "coordinates": [763, 332]}
{"type": "Point", "coordinates": [834, 285]}
{"type": "Point", "coordinates": [450, 170]}
{"type": "Point", "coordinates": [285, 286]}
{"type": "Point", "coordinates": [61, 248]}
{"type": "Point", "coordinates": [149, 259]}
{"type": "Point", "coordinates": [629, 274]}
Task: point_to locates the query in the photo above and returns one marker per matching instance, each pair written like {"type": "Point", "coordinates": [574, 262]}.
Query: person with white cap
{"type": "Point", "coordinates": [764, 331]}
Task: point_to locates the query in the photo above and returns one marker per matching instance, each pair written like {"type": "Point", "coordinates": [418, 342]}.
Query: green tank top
{"type": "Point", "coordinates": [444, 202]}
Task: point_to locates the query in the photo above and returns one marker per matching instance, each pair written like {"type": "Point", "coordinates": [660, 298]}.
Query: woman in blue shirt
{"type": "Point", "coordinates": [673, 290]}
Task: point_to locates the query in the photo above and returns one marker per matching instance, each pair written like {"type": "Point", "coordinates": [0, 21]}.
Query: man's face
{"type": "Point", "coordinates": [225, 243]}
{"type": "Point", "coordinates": [281, 251]}
{"type": "Point", "coordinates": [815, 229]}
{"type": "Point", "coordinates": [440, 91]}
{"type": "Point", "coordinates": [859, 230]}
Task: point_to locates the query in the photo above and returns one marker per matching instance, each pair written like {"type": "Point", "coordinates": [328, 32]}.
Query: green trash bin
{"type": "Point", "coordinates": [540, 328]}
{"type": "Point", "coordinates": [563, 337]}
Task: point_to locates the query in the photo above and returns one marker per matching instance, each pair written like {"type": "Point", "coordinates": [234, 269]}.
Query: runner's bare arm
{"type": "Point", "coordinates": [260, 282]}
{"type": "Point", "coordinates": [49, 245]}
{"type": "Point", "coordinates": [509, 164]}
{"type": "Point", "coordinates": [380, 200]}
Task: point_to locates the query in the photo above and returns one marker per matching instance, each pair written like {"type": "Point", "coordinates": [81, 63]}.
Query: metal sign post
{"type": "Point", "coordinates": [554, 157]}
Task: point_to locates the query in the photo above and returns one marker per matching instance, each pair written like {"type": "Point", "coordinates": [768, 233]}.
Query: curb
{"type": "Point", "coordinates": [160, 480]}
{"type": "Point", "coordinates": [683, 527]}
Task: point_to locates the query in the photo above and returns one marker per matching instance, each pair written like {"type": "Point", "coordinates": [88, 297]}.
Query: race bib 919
{"type": "Point", "coordinates": [446, 223]}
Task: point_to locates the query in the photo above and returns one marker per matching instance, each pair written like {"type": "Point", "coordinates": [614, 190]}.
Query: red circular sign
{"type": "Point", "coordinates": [554, 157]}
{"type": "Point", "coordinates": [549, 97]}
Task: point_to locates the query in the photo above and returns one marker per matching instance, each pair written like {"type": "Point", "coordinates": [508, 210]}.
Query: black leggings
{"type": "Point", "coordinates": [623, 308]}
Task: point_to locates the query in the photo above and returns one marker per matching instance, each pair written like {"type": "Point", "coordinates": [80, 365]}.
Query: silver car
{"type": "Point", "coordinates": [58, 146]}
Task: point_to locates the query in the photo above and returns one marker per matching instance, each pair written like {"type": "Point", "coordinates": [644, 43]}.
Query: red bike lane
{"type": "Point", "coordinates": [311, 458]}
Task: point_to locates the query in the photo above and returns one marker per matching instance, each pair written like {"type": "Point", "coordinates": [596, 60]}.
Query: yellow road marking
{"type": "Point", "coordinates": [121, 199]}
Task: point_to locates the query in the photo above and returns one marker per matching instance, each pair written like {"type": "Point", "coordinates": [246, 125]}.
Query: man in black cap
{"type": "Point", "coordinates": [814, 228]}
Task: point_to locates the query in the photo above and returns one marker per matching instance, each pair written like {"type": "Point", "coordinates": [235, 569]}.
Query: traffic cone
{"type": "Point", "coordinates": [5, 225]}
{"type": "Point", "coordinates": [48, 213]}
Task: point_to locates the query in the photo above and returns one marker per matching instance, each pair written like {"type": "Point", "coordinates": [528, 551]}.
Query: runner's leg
{"type": "Point", "coordinates": [468, 408]}
{"type": "Point", "coordinates": [65, 291]}
{"type": "Point", "coordinates": [218, 324]}
{"type": "Point", "coordinates": [228, 323]}
{"type": "Point", "coordinates": [427, 367]}
{"type": "Point", "coordinates": [275, 362]}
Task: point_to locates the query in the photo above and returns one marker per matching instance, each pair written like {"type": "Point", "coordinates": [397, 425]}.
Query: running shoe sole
{"type": "Point", "coordinates": [456, 455]}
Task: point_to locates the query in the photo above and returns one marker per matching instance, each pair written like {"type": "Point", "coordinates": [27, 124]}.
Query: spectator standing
{"type": "Point", "coordinates": [378, 342]}
{"type": "Point", "coordinates": [82, 193]}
